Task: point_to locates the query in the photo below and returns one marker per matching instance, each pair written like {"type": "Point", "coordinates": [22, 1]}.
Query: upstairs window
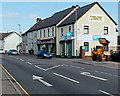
{"type": "Point", "coordinates": [86, 29]}
{"type": "Point", "coordinates": [52, 31]}
{"type": "Point", "coordinates": [62, 32]}
{"type": "Point", "coordinates": [44, 33]}
{"type": "Point", "coordinates": [70, 29]}
{"type": "Point", "coordinates": [106, 30]}
{"type": "Point", "coordinates": [40, 34]}
{"type": "Point", "coordinates": [48, 32]}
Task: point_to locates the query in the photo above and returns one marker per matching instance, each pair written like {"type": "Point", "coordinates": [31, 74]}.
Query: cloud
{"type": "Point", "coordinates": [32, 15]}
{"type": "Point", "coordinates": [12, 14]}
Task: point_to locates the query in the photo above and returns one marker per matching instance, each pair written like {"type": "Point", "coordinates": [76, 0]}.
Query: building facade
{"type": "Point", "coordinates": [76, 29]}
{"type": "Point", "coordinates": [84, 28]}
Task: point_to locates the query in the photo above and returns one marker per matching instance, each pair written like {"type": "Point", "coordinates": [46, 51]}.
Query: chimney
{"type": "Point", "coordinates": [38, 20]}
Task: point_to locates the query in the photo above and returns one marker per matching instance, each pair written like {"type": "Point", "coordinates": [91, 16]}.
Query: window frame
{"type": "Point", "coordinates": [53, 31]}
{"type": "Point", "coordinates": [87, 47]}
{"type": "Point", "coordinates": [106, 28]}
{"type": "Point", "coordinates": [62, 32]}
{"type": "Point", "coordinates": [48, 32]}
{"type": "Point", "coordinates": [44, 32]}
{"type": "Point", "coordinates": [86, 27]}
{"type": "Point", "coordinates": [70, 28]}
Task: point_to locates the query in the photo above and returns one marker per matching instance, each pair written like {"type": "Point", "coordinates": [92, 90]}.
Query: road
{"type": "Point", "coordinates": [61, 76]}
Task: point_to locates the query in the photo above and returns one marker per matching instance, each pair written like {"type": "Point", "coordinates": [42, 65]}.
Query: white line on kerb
{"type": "Point", "coordinates": [29, 63]}
{"type": "Point", "coordinates": [66, 78]}
{"type": "Point", "coordinates": [106, 93]}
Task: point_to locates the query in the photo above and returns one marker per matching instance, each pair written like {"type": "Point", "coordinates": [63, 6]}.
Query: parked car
{"type": "Point", "coordinates": [2, 51]}
{"type": "Point", "coordinates": [12, 52]}
{"type": "Point", "coordinates": [44, 54]}
{"type": "Point", "coordinates": [115, 56]}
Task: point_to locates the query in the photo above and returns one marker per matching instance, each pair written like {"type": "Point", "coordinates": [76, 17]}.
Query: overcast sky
{"type": "Point", "coordinates": [25, 13]}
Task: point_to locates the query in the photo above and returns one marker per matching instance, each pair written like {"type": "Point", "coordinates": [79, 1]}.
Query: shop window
{"type": "Point", "coordinates": [48, 32]}
{"type": "Point", "coordinates": [52, 31]}
{"type": "Point", "coordinates": [44, 33]}
{"type": "Point", "coordinates": [70, 29]}
{"type": "Point", "coordinates": [105, 30]}
{"type": "Point", "coordinates": [86, 29]}
{"type": "Point", "coordinates": [86, 44]}
{"type": "Point", "coordinates": [62, 32]}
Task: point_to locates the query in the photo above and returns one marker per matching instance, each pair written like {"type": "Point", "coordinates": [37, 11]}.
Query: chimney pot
{"type": "Point", "coordinates": [38, 19]}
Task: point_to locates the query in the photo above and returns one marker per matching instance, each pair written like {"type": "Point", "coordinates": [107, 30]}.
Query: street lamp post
{"type": "Point", "coordinates": [20, 36]}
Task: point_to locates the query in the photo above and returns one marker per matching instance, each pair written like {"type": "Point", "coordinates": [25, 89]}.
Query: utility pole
{"type": "Point", "coordinates": [76, 31]}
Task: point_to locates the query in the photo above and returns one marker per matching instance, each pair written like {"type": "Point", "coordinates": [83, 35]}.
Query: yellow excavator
{"type": "Point", "coordinates": [98, 52]}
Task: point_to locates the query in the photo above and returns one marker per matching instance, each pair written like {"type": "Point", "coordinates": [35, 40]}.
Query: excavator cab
{"type": "Point", "coordinates": [98, 51]}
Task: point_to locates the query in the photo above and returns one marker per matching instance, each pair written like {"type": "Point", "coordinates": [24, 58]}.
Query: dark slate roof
{"type": "Point", "coordinates": [80, 12]}
{"type": "Point", "coordinates": [3, 35]}
{"type": "Point", "coordinates": [51, 21]}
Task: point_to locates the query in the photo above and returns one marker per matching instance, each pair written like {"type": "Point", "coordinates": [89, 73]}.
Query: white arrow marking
{"type": "Point", "coordinates": [89, 75]}
{"type": "Point", "coordinates": [66, 78]}
{"type": "Point", "coordinates": [42, 81]}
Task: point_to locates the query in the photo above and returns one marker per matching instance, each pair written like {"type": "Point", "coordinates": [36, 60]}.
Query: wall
{"type": "Point", "coordinates": [12, 41]}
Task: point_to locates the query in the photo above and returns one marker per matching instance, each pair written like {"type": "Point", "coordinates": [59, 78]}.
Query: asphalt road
{"type": "Point", "coordinates": [58, 76]}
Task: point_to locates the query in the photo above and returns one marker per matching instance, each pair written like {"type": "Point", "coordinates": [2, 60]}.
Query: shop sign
{"type": "Point", "coordinates": [96, 18]}
{"type": "Point", "coordinates": [65, 38]}
{"type": "Point", "coordinates": [96, 37]}
{"type": "Point", "coordinates": [45, 41]}
{"type": "Point", "coordinates": [69, 33]}
{"type": "Point", "coordinates": [83, 47]}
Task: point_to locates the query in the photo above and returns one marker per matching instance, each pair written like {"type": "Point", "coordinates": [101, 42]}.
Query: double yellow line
{"type": "Point", "coordinates": [15, 80]}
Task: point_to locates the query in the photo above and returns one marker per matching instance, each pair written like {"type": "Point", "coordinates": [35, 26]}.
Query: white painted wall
{"type": "Point", "coordinates": [11, 41]}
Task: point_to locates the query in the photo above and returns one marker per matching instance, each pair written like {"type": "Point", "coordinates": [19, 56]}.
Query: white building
{"type": "Point", "coordinates": [10, 40]}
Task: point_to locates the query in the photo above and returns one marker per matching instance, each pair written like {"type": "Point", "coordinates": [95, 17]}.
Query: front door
{"type": "Point", "coordinates": [69, 49]}
{"type": "Point", "coordinates": [63, 49]}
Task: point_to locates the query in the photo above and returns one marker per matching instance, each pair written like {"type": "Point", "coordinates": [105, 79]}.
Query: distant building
{"type": "Point", "coordinates": [69, 31]}
{"type": "Point", "coordinates": [9, 40]}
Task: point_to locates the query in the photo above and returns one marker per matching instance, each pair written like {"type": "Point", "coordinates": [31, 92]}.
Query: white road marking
{"type": "Point", "coordinates": [76, 67]}
{"type": "Point", "coordinates": [107, 73]}
{"type": "Point", "coordinates": [53, 67]}
{"type": "Point", "coordinates": [21, 59]}
{"type": "Point", "coordinates": [66, 78]}
{"type": "Point", "coordinates": [29, 63]}
{"type": "Point", "coordinates": [40, 68]}
{"type": "Point", "coordinates": [106, 93]}
{"type": "Point", "coordinates": [89, 75]}
{"type": "Point", "coordinates": [42, 81]}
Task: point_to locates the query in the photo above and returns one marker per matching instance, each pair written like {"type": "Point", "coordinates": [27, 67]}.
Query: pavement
{"type": "Point", "coordinates": [88, 61]}
{"type": "Point", "coordinates": [8, 86]}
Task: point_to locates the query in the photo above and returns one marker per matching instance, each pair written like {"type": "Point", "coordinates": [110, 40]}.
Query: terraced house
{"type": "Point", "coordinates": [68, 32]}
